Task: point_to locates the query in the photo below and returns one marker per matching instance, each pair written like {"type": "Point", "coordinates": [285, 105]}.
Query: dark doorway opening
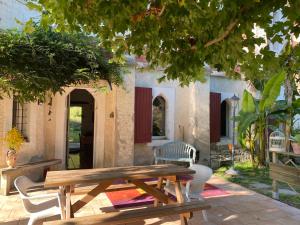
{"type": "Point", "coordinates": [224, 122]}
{"type": "Point", "coordinates": [80, 132]}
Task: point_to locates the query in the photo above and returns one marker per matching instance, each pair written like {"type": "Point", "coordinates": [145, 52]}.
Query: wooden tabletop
{"type": "Point", "coordinates": [86, 176]}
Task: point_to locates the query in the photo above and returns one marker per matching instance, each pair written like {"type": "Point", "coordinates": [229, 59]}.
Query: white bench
{"type": "Point", "coordinates": [176, 152]}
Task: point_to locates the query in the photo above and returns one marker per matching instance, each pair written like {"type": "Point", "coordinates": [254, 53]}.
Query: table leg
{"type": "Point", "coordinates": [69, 213]}
{"type": "Point", "coordinates": [62, 191]}
{"type": "Point", "coordinates": [5, 183]}
{"type": "Point", "coordinates": [275, 193]}
{"type": "Point", "coordinates": [159, 185]}
{"type": "Point", "coordinates": [180, 199]}
{"type": "Point", "coordinates": [90, 195]}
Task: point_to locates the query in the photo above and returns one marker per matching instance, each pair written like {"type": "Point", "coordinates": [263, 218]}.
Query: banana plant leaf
{"type": "Point", "coordinates": [248, 102]}
{"type": "Point", "coordinates": [245, 120]}
{"type": "Point", "coordinates": [271, 91]}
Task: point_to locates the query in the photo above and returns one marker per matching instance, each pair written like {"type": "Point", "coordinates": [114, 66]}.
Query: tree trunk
{"type": "Point", "coordinates": [288, 93]}
{"type": "Point", "coordinates": [266, 133]}
{"type": "Point", "coordinates": [261, 154]}
{"type": "Point", "coordinates": [252, 155]}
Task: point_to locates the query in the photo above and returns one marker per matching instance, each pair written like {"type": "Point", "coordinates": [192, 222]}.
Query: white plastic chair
{"type": "Point", "coordinates": [41, 210]}
{"type": "Point", "coordinates": [194, 187]}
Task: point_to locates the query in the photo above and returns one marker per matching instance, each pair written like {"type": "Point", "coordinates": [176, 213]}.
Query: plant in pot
{"type": "Point", "coordinates": [14, 141]}
{"type": "Point", "coordinates": [295, 141]}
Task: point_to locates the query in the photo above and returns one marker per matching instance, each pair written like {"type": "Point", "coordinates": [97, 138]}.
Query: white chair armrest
{"type": "Point", "coordinates": [51, 195]}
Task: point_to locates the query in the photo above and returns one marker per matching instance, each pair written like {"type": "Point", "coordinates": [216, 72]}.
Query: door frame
{"type": "Point", "coordinates": [60, 108]}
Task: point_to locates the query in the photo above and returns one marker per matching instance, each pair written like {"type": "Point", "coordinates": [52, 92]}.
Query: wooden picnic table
{"type": "Point", "coordinates": [106, 177]}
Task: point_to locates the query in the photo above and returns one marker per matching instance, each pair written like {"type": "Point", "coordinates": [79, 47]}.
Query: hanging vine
{"type": "Point", "coordinates": [44, 61]}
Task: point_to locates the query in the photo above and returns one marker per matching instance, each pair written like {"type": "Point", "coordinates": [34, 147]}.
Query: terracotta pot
{"type": "Point", "coordinates": [296, 147]}
{"type": "Point", "coordinates": [11, 158]}
{"type": "Point", "coordinates": [230, 147]}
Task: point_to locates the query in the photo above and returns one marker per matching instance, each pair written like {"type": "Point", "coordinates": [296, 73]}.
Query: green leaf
{"type": "Point", "coordinates": [271, 91]}
{"type": "Point", "coordinates": [296, 103]}
{"type": "Point", "coordinates": [246, 119]}
{"type": "Point", "coordinates": [248, 104]}
{"type": "Point", "coordinates": [34, 6]}
{"type": "Point", "coordinates": [29, 27]}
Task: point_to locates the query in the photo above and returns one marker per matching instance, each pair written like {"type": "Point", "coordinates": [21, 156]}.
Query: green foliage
{"type": "Point", "coordinates": [246, 119]}
{"type": "Point", "coordinates": [250, 176]}
{"type": "Point", "coordinates": [252, 112]}
{"type": "Point", "coordinates": [44, 61]}
{"type": "Point", "coordinates": [248, 104]}
{"type": "Point", "coordinates": [253, 116]}
{"type": "Point", "coordinates": [180, 36]}
{"type": "Point", "coordinates": [296, 138]}
{"type": "Point", "coordinates": [271, 91]}
{"type": "Point", "coordinates": [75, 123]}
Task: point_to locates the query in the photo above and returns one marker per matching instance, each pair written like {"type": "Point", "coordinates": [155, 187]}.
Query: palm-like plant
{"type": "Point", "coordinates": [254, 114]}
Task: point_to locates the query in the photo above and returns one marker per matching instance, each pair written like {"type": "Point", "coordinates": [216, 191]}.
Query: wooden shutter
{"type": "Point", "coordinates": [215, 117]}
{"type": "Point", "coordinates": [143, 115]}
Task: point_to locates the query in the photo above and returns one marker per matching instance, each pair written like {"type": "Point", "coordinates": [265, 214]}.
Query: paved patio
{"type": "Point", "coordinates": [241, 207]}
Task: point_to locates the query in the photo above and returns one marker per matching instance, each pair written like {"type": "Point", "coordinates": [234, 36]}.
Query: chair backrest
{"type": "Point", "coordinates": [22, 184]}
{"type": "Point", "coordinates": [202, 175]}
{"type": "Point", "coordinates": [177, 150]}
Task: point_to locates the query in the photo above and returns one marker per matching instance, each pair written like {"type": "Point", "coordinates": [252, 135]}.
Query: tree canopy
{"type": "Point", "coordinates": [179, 35]}
{"type": "Point", "coordinates": [44, 61]}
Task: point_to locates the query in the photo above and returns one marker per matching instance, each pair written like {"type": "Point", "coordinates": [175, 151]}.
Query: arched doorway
{"type": "Point", "coordinates": [224, 119]}
{"type": "Point", "coordinates": [80, 130]}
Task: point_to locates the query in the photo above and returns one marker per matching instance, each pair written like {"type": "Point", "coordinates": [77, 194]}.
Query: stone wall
{"type": "Point", "coordinates": [110, 128]}
{"type": "Point", "coordinates": [124, 133]}
{"type": "Point", "coordinates": [199, 126]}
{"type": "Point", "coordinates": [191, 115]}
{"type": "Point", "coordinates": [34, 148]}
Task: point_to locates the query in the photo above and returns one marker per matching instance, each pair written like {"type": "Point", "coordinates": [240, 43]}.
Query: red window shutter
{"type": "Point", "coordinates": [215, 117]}
{"type": "Point", "coordinates": [143, 115]}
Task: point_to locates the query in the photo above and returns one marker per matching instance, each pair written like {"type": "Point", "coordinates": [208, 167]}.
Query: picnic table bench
{"type": "Point", "coordinates": [106, 177]}
{"type": "Point", "coordinates": [117, 218]}
{"type": "Point", "coordinates": [7, 174]}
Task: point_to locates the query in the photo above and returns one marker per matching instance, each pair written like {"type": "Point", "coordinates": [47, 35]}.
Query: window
{"type": "Point", "coordinates": [159, 117]}
{"type": "Point", "coordinates": [20, 118]}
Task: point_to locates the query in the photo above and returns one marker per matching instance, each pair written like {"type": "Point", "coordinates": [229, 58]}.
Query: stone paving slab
{"type": "Point", "coordinates": [241, 207]}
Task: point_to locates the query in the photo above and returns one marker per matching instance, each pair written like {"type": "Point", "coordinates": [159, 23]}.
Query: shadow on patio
{"type": "Point", "coordinates": [240, 207]}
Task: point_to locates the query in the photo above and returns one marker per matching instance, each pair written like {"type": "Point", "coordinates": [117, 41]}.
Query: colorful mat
{"type": "Point", "coordinates": [137, 197]}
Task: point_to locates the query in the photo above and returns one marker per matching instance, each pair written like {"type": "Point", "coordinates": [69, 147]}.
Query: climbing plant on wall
{"type": "Point", "coordinates": [43, 61]}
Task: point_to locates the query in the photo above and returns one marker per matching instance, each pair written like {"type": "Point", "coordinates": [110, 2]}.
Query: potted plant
{"type": "Point", "coordinates": [295, 141]}
{"type": "Point", "coordinates": [14, 141]}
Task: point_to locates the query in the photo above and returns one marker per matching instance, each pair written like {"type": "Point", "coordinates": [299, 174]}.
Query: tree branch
{"type": "Point", "coordinates": [151, 11]}
{"type": "Point", "coordinates": [228, 30]}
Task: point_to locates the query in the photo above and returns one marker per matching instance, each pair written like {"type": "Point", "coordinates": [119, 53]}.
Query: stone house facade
{"type": "Point", "coordinates": [184, 114]}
